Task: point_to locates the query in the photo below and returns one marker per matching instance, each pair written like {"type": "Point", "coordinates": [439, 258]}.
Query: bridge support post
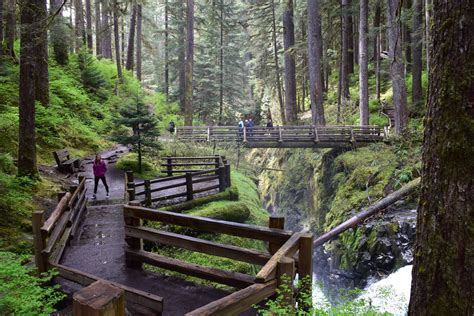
{"type": "Point", "coordinates": [275, 222]}
{"type": "Point", "coordinates": [305, 267]}
{"type": "Point", "coordinates": [132, 242]}
{"type": "Point", "coordinates": [130, 185]}
{"type": "Point", "coordinates": [41, 260]}
{"type": "Point", "coordinates": [285, 276]}
{"type": "Point", "coordinates": [99, 299]}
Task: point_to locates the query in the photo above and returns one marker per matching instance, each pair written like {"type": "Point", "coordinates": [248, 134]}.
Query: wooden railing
{"type": "Point", "coordinates": [53, 235]}
{"type": "Point", "coordinates": [264, 136]}
{"type": "Point", "coordinates": [194, 173]}
{"type": "Point", "coordinates": [289, 253]}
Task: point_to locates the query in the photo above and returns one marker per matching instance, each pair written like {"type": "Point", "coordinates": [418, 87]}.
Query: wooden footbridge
{"type": "Point", "coordinates": [71, 241]}
{"type": "Point", "coordinates": [302, 136]}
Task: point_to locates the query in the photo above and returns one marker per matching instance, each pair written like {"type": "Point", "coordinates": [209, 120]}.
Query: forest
{"type": "Point", "coordinates": [138, 81]}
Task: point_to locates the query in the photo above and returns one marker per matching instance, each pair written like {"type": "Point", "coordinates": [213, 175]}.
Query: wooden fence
{"type": "Point", "coordinates": [196, 170]}
{"type": "Point", "coordinates": [53, 235]}
{"type": "Point", "coordinates": [301, 136]}
{"type": "Point", "coordinates": [289, 253]}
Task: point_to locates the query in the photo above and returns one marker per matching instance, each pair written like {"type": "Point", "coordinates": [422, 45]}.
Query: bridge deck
{"type": "Point", "coordinates": [304, 136]}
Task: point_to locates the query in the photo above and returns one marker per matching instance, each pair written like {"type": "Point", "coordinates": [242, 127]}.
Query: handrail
{"type": "Point", "coordinates": [221, 173]}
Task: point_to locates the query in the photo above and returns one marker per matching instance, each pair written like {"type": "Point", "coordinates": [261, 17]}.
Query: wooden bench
{"type": "Point", "coordinates": [65, 162]}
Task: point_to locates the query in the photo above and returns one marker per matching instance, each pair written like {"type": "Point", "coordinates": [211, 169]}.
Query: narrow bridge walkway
{"type": "Point", "coordinates": [303, 136]}
{"type": "Point", "coordinates": [99, 250]}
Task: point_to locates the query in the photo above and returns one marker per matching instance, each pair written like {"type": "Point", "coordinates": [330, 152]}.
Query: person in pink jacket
{"type": "Point", "coordinates": [100, 168]}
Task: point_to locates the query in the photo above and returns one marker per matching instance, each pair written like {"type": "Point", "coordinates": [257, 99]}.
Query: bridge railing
{"type": "Point", "coordinates": [195, 171]}
{"type": "Point", "coordinates": [300, 133]}
{"type": "Point", "coordinates": [51, 236]}
{"type": "Point", "coordinates": [289, 253]}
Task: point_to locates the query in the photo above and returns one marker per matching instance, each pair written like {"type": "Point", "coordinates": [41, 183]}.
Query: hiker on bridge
{"type": "Point", "coordinates": [100, 168]}
{"type": "Point", "coordinates": [172, 127]}
{"type": "Point", "coordinates": [251, 125]}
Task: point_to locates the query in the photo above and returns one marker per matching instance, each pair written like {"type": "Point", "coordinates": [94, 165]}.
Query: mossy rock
{"type": "Point", "coordinates": [235, 212]}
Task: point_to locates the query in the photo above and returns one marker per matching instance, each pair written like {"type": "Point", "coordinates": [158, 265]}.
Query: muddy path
{"type": "Point", "coordinates": [99, 249]}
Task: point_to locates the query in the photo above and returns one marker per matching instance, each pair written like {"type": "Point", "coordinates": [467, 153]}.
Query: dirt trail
{"type": "Point", "coordinates": [99, 250]}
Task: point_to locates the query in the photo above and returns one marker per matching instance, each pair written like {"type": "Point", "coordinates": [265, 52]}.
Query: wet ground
{"type": "Point", "coordinates": [99, 250]}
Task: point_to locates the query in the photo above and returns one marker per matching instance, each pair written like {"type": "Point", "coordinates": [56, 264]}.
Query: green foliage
{"type": "Point", "coordinates": [165, 112]}
{"type": "Point", "coordinates": [231, 194]}
{"type": "Point", "coordinates": [91, 77]}
{"type": "Point", "coordinates": [348, 305]}
{"type": "Point", "coordinates": [22, 293]}
{"type": "Point", "coordinates": [130, 162]}
{"type": "Point", "coordinates": [236, 212]}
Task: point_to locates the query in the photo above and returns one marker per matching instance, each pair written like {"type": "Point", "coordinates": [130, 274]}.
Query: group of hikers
{"type": "Point", "coordinates": [249, 125]}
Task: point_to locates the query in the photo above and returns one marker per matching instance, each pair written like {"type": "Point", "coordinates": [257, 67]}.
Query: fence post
{"type": "Point", "coordinates": [227, 174]}
{"type": "Point", "coordinates": [285, 276]}
{"type": "Point", "coordinates": [305, 267]}
{"type": "Point", "coordinates": [208, 134]}
{"type": "Point", "coordinates": [352, 136]}
{"type": "Point", "coordinates": [275, 222]}
{"type": "Point", "coordinates": [147, 193]}
{"type": "Point", "coordinates": [132, 242]}
{"type": "Point", "coordinates": [130, 185]}
{"type": "Point", "coordinates": [169, 167]}
{"type": "Point", "coordinates": [245, 134]}
{"type": "Point", "coordinates": [189, 186]}
{"type": "Point", "coordinates": [222, 182]}
{"type": "Point", "coordinates": [217, 163]}
{"type": "Point", "coordinates": [41, 260]}
{"type": "Point", "coordinates": [280, 137]}
{"type": "Point", "coordinates": [99, 299]}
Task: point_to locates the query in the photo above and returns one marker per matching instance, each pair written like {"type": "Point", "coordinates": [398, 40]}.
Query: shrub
{"type": "Point", "coordinates": [130, 162]}
{"type": "Point", "coordinates": [235, 212]}
{"type": "Point", "coordinates": [22, 293]}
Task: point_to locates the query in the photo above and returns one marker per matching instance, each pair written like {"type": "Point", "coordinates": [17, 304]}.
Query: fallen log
{"type": "Point", "coordinates": [370, 211]}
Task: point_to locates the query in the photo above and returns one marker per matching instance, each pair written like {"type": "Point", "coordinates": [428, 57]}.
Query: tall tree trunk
{"type": "Point", "coordinates": [350, 36]}
{"type": "Point", "coordinates": [131, 39]}
{"type": "Point", "coordinates": [139, 42]}
{"type": "Point", "coordinates": [42, 75]}
{"type": "Point", "coordinates": [355, 39]}
{"type": "Point", "coordinates": [377, 49]}
{"type": "Point", "coordinates": [188, 99]}
{"type": "Point", "coordinates": [33, 13]}
{"type": "Point", "coordinates": [277, 65]}
{"type": "Point", "coordinates": [167, 73]}
{"type": "Point", "coordinates": [407, 37]}
{"type": "Point", "coordinates": [122, 47]}
{"type": "Point", "coordinates": [79, 28]}
{"type": "Point", "coordinates": [443, 271]}
{"type": "Point", "coordinates": [417, 51]}
{"type": "Point", "coordinates": [58, 34]}
{"type": "Point", "coordinates": [1, 27]}
{"type": "Point", "coordinates": [221, 62]}
{"type": "Point", "coordinates": [346, 56]}
{"type": "Point", "coordinates": [106, 30]}
{"type": "Point", "coordinates": [290, 71]}
{"type": "Point", "coordinates": [181, 53]}
{"type": "Point", "coordinates": [90, 42]}
{"type": "Point", "coordinates": [117, 41]}
{"type": "Point", "coordinates": [428, 12]}
{"type": "Point", "coordinates": [98, 29]}
{"type": "Point", "coordinates": [397, 67]}
{"type": "Point", "coordinates": [363, 63]}
{"type": "Point", "coordinates": [10, 28]}
{"type": "Point", "coordinates": [315, 40]}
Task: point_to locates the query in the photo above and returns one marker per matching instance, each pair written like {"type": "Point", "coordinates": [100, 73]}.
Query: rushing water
{"type": "Point", "coordinates": [390, 294]}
